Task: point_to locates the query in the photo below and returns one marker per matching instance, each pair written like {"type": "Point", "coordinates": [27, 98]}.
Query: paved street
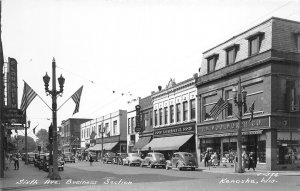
{"type": "Point", "coordinates": [82, 176]}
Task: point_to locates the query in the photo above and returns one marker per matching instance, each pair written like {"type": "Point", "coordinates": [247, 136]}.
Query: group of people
{"type": "Point", "coordinates": [248, 160]}
{"type": "Point", "coordinates": [211, 159]}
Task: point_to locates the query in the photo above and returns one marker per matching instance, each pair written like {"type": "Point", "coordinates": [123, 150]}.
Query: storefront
{"type": "Point", "coordinates": [172, 139]}
{"type": "Point", "coordinates": [222, 138]}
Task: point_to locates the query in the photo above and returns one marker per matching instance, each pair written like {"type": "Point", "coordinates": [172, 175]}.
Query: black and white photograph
{"type": "Point", "coordinates": [148, 95]}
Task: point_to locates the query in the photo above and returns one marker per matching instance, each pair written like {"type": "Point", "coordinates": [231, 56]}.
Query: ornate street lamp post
{"type": "Point", "coordinates": [54, 94]}
{"type": "Point", "coordinates": [239, 97]}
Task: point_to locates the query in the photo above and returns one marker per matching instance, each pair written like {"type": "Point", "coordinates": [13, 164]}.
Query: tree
{"type": "Point", "coordinates": [19, 143]}
{"type": "Point", "coordinates": [43, 139]}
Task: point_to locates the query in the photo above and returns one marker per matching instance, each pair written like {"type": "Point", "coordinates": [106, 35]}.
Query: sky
{"type": "Point", "coordinates": [126, 46]}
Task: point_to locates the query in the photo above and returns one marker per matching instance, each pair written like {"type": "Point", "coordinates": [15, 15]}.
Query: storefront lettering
{"type": "Point", "coordinates": [256, 123]}
{"type": "Point", "coordinates": [174, 130]}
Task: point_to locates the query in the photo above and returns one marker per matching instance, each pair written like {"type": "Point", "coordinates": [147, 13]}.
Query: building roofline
{"type": "Point", "coordinates": [272, 18]}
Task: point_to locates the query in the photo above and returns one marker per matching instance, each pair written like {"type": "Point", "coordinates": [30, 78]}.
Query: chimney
{"type": "Point", "coordinates": [159, 88]}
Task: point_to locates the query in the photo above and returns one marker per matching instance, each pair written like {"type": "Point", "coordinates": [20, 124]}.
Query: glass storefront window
{"type": "Point", "coordinates": [261, 152]}
{"type": "Point", "coordinates": [288, 152]}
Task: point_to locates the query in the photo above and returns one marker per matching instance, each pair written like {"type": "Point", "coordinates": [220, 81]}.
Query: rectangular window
{"type": "Point", "coordinates": [115, 127]}
{"type": "Point", "coordinates": [229, 99]}
{"type": "Point", "coordinates": [160, 116]}
{"type": "Point", "coordinates": [132, 125]}
{"type": "Point", "coordinates": [178, 112]}
{"type": "Point", "coordinates": [254, 42]}
{"type": "Point", "coordinates": [155, 117]}
{"type": "Point", "coordinates": [231, 52]}
{"type": "Point", "coordinates": [151, 118]}
{"type": "Point", "coordinates": [211, 64]}
{"type": "Point", "coordinates": [208, 103]}
{"type": "Point", "coordinates": [172, 114]}
{"type": "Point", "coordinates": [254, 46]}
{"type": "Point", "coordinates": [193, 109]}
{"type": "Point", "coordinates": [185, 111]}
{"type": "Point", "coordinates": [166, 115]}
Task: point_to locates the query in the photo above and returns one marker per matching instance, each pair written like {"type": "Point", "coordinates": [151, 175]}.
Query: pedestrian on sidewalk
{"type": "Point", "coordinates": [214, 160]}
{"type": "Point", "coordinates": [16, 160]}
{"type": "Point", "coordinates": [245, 160]}
{"type": "Point", "coordinates": [206, 158]}
{"type": "Point", "coordinates": [251, 161]}
{"type": "Point", "coordinates": [91, 160]}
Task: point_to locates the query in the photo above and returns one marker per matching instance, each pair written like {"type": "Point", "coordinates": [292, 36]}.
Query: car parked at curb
{"type": "Point", "coordinates": [118, 159]}
{"type": "Point", "coordinates": [132, 159]}
{"type": "Point", "coordinates": [38, 158]}
{"type": "Point", "coordinates": [109, 157]}
{"type": "Point", "coordinates": [182, 160]}
{"type": "Point", "coordinates": [47, 161]}
{"type": "Point", "coordinates": [68, 157]}
{"type": "Point", "coordinates": [153, 160]}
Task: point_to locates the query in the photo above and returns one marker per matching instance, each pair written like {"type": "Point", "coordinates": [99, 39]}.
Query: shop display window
{"type": "Point", "coordinates": [288, 152]}
{"type": "Point", "coordinates": [261, 152]}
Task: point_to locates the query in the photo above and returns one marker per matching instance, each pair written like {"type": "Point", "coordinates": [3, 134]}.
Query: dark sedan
{"type": "Point", "coordinates": [182, 160]}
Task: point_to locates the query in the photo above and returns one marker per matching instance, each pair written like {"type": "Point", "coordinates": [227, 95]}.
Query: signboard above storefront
{"type": "Point", "coordinates": [13, 116]}
{"type": "Point", "coordinates": [175, 130]}
{"type": "Point", "coordinates": [232, 126]}
{"type": "Point", "coordinates": [138, 127]}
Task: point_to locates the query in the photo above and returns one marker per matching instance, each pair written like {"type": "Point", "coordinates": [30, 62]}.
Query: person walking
{"type": "Point", "coordinates": [251, 161]}
{"type": "Point", "coordinates": [206, 158]}
{"type": "Point", "coordinates": [214, 160]}
{"type": "Point", "coordinates": [245, 160]}
{"type": "Point", "coordinates": [16, 160]}
{"type": "Point", "coordinates": [91, 160]}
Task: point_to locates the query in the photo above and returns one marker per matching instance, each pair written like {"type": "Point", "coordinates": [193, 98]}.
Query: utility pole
{"type": "Point", "coordinates": [239, 97]}
{"type": "Point", "coordinates": [26, 148]}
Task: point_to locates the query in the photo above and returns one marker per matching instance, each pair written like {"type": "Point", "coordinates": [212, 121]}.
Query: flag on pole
{"type": "Point", "coordinates": [218, 108]}
{"type": "Point", "coordinates": [251, 109]}
{"type": "Point", "coordinates": [28, 95]}
{"type": "Point", "coordinates": [93, 134]}
{"type": "Point", "coordinates": [76, 98]}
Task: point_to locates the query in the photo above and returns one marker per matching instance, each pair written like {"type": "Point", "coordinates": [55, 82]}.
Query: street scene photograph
{"type": "Point", "coordinates": [171, 95]}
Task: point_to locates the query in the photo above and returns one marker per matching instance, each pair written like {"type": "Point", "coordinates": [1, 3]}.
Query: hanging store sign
{"type": "Point", "coordinates": [138, 127]}
{"type": "Point", "coordinates": [15, 127]}
{"type": "Point", "coordinates": [257, 123]}
{"type": "Point", "coordinates": [13, 116]}
{"type": "Point", "coordinates": [12, 84]}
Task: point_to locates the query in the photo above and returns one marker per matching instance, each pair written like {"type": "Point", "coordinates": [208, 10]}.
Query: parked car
{"type": "Point", "coordinates": [132, 159]}
{"type": "Point", "coordinates": [68, 157]}
{"type": "Point", "coordinates": [37, 159]}
{"type": "Point", "coordinates": [182, 160]}
{"type": "Point", "coordinates": [31, 157]}
{"type": "Point", "coordinates": [154, 160]}
{"type": "Point", "coordinates": [118, 159]}
{"type": "Point", "coordinates": [108, 157]}
{"type": "Point", "coordinates": [46, 163]}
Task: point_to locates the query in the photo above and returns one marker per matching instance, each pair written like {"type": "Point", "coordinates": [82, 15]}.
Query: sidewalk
{"type": "Point", "coordinates": [230, 170]}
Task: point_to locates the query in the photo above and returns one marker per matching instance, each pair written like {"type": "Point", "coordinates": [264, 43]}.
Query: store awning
{"type": "Point", "coordinates": [167, 143]}
{"type": "Point", "coordinates": [106, 146]}
{"type": "Point", "coordinates": [142, 142]}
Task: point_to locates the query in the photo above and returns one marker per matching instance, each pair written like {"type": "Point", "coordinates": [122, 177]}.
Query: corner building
{"type": "Point", "coordinates": [267, 59]}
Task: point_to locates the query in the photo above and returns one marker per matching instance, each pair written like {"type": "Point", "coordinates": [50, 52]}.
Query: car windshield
{"type": "Point", "coordinates": [188, 155]}
{"type": "Point", "coordinates": [158, 155]}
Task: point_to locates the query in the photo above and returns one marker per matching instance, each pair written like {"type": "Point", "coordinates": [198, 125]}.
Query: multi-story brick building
{"type": "Point", "coordinates": [174, 117]}
{"type": "Point", "coordinates": [70, 134]}
{"type": "Point", "coordinates": [109, 130]}
{"type": "Point", "coordinates": [267, 60]}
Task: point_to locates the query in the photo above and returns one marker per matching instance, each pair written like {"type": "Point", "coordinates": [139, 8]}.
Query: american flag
{"type": "Point", "coordinates": [218, 108]}
{"type": "Point", "coordinates": [28, 95]}
{"type": "Point", "coordinates": [76, 98]}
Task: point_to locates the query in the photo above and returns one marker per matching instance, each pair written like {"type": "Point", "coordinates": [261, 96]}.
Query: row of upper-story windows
{"type": "Point", "coordinates": [180, 112]}
{"type": "Point", "coordinates": [254, 44]}
{"type": "Point", "coordinates": [85, 133]}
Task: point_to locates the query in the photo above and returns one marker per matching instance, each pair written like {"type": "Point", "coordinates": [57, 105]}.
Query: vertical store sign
{"type": "Point", "coordinates": [12, 84]}
{"type": "Point", "coordinates": [138, 127]}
